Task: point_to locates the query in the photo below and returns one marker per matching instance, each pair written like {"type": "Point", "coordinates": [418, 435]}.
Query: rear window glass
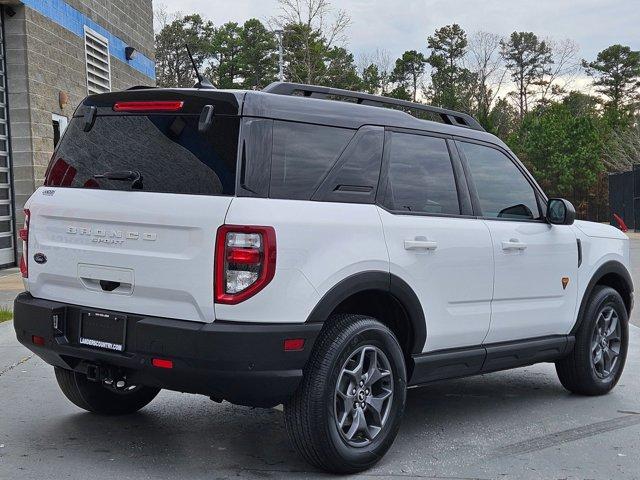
{"type": "Point", "coordinates": [302, 156]}
{"type": "Point", "coordinates": [167, 151]}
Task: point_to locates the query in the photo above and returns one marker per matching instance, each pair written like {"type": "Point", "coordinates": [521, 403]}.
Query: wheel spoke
{"type": "Point", "coordinates": [356, 373]}
{"type": "Point", "coordinates": [344, 418]}
{"type": "Point", "coordinates": [597, 356]}
{"type": "Point", "coordinates": [346, 398]}
{"type": "Point", "coordinates": [612, 332]}
{"type": "Point", "coordinates": [358, 423]}
{"type": "Point", "coordinates": [376, 403]}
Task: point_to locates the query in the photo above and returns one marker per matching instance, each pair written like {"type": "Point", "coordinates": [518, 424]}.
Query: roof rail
{"type": "Point", "coordinates": [450, 117]}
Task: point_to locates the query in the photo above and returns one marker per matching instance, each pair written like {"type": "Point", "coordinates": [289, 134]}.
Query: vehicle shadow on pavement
{"type": "Point", "coordinates": [187, 436]}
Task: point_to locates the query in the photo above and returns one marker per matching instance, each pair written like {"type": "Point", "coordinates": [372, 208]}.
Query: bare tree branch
{"type": "Point", "coordinates": [562, 72]}
{"type": "Point", "coordinates": [484, 60]}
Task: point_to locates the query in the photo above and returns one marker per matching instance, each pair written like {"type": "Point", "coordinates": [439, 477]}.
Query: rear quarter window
{"type": "Point", "coordinates": [302, 156]}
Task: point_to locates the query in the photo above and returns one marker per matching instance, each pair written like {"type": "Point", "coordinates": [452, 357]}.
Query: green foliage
{"type": "Point", "coordinates": [341, 71]}
{"type": "Point", "coordinates": [616, 74]}
{"type": "Point", "coordinates": [5, 314]}
{"type": "Point", "coordinates": [563, 150]}
{"type": "Point", "coordinates": [258, 62]}
{"type": "Point", "coordinates": [502, 119]}
{"type": "Point", "coordinates": [305, 52]}
{"type": "Point", "coordinates": [371, 79]}
{"type": "Point", "coordinates": [401, 93]}
{"type": "Point", "coordinates": [408, 72]}
{"type": "Point", "coordinates": [310, 59]}
{"type": "Point", "coordinates": [451, 83]}
{"type": "Point", "coordinates": [173, 67]}
{"type": "Point", "coordinates": [226, 48]}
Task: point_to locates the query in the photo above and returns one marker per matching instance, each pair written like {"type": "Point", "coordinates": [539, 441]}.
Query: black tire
{"type": "Point", "coordinates": [310, 415]}
{"type": "Point", "coordinates": [577, 372]}
{"type": "Point", "coordinates": [96, 398]}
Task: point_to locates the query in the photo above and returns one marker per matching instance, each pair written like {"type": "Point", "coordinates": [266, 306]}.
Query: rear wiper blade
{"type": "Point", "coordinates": [133, 176]}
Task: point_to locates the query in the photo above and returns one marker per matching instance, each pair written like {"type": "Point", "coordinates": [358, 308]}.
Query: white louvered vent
{"type": "Point", "coordinates": [96, 49]}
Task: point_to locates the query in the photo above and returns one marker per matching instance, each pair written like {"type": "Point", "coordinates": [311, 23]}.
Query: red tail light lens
{"type": "Point", "coordinates": [245, 262]}
{"type": "Point", "coordinates": [162, 363]}
{"type": "Point", "coordinates": [151, 106]}
{"type": "Point", "coordinates": [24, 236]}
{"type": "Point", "coordinates": [293, 345]}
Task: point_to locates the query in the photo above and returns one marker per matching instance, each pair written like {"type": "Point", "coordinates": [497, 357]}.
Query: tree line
{"type": "Point", "coordinates": [528, 90]}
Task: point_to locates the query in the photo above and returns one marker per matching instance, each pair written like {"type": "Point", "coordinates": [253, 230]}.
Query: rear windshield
{"type": "Point", "coordinates": [166, 152]}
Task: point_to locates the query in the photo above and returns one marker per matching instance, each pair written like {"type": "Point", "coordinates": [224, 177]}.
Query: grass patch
{"type": "Point", "coordinates": [5, 314]}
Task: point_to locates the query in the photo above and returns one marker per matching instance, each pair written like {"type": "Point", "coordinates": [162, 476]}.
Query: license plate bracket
{"type": "Point", "coordinates": [106, 331]}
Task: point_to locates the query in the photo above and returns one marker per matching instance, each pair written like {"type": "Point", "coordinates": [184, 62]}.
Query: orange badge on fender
{"type": "Point", "coordinates": [565, 282]}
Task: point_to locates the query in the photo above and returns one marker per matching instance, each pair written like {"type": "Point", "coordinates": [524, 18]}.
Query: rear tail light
{"type": "Point", "coordinates": [38, 340]}
{"type": "Point", "coordinates": [245, 262]}
{"type": "Point", "coordinates": [150, 106]}
{"type": "Point", "coordinates": [24, 236]}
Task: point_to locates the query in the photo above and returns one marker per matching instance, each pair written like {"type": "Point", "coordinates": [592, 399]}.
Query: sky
{"type": "Point", "coordinates": [397, 25]}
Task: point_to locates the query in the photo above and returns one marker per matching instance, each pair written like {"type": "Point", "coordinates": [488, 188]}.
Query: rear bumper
{"type": "Point", "coordinates": [242, 363]}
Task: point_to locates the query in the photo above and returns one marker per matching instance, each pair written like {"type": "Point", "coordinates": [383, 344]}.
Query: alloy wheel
{"type": "Point", "coordinates": [606, 343]}
{"type": "Point", "coordinates": [363, 395]}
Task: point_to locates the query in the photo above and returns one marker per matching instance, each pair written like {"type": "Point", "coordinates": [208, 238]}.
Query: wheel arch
{"type": "Point", "coordinates": [612, 274]}
{"type": "Point", "coordinates": [378, 294]}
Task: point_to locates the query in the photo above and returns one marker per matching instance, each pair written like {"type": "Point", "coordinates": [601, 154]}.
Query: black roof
{"type": "Point", "coordinates": [315, 105]}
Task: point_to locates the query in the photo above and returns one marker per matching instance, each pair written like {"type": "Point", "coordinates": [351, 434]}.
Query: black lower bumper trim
{"type": "Point", "coordinates": [242, 363]}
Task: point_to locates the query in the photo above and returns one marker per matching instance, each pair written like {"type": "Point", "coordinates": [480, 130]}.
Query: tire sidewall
{"type": "Point", "coordinates": [601, 299]}
{"type": "Point", "coordinates": [383, 339]}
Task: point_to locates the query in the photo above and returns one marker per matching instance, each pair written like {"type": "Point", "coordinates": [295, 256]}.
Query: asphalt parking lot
{"type": "Point", "coordinates": [519, 424]}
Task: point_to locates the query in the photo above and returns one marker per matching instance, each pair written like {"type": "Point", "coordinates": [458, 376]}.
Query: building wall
{"type": "Point", "coordinates": [46, 59]}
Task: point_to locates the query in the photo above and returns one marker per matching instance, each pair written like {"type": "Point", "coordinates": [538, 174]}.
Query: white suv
{"type": "Point", "coordinates": [307, 246]}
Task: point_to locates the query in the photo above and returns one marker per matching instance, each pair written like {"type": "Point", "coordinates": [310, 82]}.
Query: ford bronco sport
{"type": "Point", "coordinates": [308, 246]}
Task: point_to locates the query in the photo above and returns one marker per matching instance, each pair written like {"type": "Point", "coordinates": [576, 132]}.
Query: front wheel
{"type": "Point", "coordinates": [347, 411]}
{"type": "Point", "coordinates": [596, 363]}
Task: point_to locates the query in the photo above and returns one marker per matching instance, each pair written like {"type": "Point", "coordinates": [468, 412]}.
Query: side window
{"type": "Point", "coordinates": [420, 175]}
{"type": "Point", "coordinates": [302, 156]}
{"type": "Point", "coordinates": [503, 190]}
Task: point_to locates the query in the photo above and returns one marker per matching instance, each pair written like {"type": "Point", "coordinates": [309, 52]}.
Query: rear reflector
{"type": "Point", "coordinates": [37, 340]}
{"type": "Point", "coordinates": [152, 106]}
{"type": "Point", "coordinates": [294, 344]}
{"type": "Point", "coordinates": [162, 363]}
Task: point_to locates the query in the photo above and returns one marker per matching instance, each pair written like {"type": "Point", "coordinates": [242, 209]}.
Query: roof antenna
{"type": "Point", "coordinates": [202, 82]}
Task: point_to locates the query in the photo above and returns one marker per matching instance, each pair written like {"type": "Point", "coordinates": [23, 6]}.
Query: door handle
{"type": "Point", "coordinates": [513, 244]}
{"type": "Point", "coordinates": [420, 245]}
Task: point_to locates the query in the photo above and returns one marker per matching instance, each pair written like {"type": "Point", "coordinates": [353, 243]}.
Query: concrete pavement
{"type": "Point", "coordinates": [519, 424]}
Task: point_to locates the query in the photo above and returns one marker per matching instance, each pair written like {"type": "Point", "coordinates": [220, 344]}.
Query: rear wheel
{"type": "Point", "coordinates": [96, 398]}
{"type": "Point", "coordinates": [347, 410]}
{"type": "Point", "coordinates": [597, 361]}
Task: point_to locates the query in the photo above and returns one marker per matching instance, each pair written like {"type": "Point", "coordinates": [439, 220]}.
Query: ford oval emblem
{"type": "Point", "coordinates": [40, 258]}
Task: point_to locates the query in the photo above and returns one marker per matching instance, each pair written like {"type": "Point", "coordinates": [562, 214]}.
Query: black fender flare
{"type": "Point", "coordinates": [612, 266]}
{"type": "Point", "coordinates": [375, 280]}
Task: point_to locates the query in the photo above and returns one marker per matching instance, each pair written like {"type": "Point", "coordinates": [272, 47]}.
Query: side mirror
{"type": "Point", "coordinates": [560, 211]}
